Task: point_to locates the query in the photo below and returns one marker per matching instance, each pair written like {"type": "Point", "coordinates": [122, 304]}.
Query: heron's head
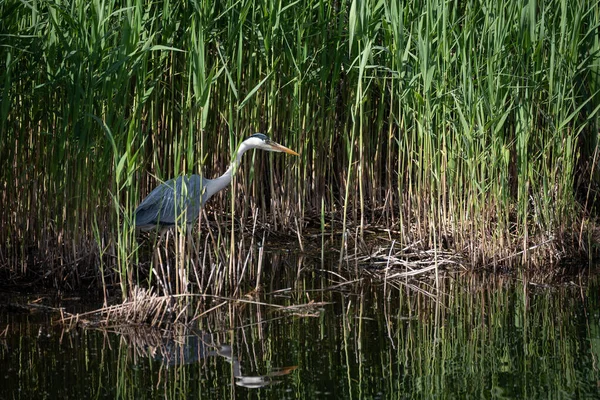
{"type": "Point", "coordinates": [260, 141]}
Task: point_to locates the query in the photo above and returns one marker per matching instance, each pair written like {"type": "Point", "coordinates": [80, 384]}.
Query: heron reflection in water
{"type": "Point", "coordinates": [192, 348]}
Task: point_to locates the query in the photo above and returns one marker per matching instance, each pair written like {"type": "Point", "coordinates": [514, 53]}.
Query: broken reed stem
{"type": "Point", "coordinates": [387, 268]}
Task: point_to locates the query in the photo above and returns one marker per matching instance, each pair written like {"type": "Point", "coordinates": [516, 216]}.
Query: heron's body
{"type": "Point", "coordinates": [175, 201]}
{"type": "Point", "coordinates": [179, 201]}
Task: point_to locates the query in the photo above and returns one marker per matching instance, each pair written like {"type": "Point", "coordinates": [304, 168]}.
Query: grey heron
{"type": "Point", "coordinates": [179, 201]}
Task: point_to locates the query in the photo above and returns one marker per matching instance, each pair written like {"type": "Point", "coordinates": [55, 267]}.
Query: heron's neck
{"type": "Point", "coordinates": [224, 180]}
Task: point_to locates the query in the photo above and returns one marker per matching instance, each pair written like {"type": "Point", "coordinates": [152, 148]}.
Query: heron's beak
{"type": "Point", "coordinates": [278, 147]}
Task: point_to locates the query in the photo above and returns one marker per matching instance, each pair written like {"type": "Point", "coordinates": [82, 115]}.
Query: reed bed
{"type": "Point", "coordinates": [467, 126]}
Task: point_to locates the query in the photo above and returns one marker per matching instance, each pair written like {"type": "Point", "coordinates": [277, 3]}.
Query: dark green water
{"type": "Point", "coordinates": [482, 338]}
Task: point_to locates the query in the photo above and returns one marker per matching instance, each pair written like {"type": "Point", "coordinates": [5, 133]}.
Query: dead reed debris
{"type": "Point", "coordinates": [387, 264]}
{"type": "Point", "coordinates": [146, 308]}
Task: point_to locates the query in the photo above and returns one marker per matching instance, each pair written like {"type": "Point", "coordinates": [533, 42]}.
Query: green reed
{"type": "Point", "coordinates": [470, 125]}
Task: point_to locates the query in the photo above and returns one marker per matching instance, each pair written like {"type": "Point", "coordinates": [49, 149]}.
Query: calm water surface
{"type": "Point", "coordinates": [480, 338]}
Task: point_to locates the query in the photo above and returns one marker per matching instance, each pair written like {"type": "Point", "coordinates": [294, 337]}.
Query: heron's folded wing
{"type": "Point", "coordinates": [157, 207]}
{"type": "Point", "coordinates": [175, 201]}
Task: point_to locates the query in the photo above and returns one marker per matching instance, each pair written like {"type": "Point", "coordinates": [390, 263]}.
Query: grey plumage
{"type": "Point", "coordinates": [179, 201]}
{"type": "Point", "coordinates": [175, 201]}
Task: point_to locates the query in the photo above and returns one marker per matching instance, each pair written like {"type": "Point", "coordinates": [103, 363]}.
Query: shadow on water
{"type": "Point", "coordinates": [482, 337]}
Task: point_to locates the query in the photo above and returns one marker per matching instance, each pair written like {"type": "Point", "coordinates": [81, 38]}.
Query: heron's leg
{"type": "Point", "coordinates": [157, 260]}
{"type": "Point", "coordinates": [158, 266]}
{"type": "Point", "coordinates": [194, 256]}
{"type": "Point", "coordinates": [183, 260]}
{"type": "Point", "coordinates": [193, 252]}
{"type": "Point", "coordinates": [159, 269]}
{"type": "Point", "coordinates": [167, 272]}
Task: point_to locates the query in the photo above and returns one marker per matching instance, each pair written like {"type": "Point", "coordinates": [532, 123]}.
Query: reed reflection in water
{"type": "Point", "coordinates": [481, 337]}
